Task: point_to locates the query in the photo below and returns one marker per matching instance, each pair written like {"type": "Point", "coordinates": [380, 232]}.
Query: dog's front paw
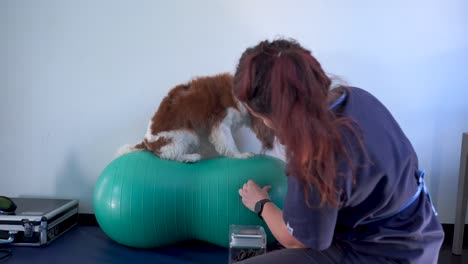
{"type": "Point", "coordinates": [244, 155]}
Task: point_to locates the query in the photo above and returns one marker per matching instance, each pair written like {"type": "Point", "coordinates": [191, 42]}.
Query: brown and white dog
{"type": "Point", "coordinates": [201, 112]}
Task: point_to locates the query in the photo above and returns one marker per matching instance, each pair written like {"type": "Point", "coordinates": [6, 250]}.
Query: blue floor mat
{"type": "Point", "coordinates": [89, 244]}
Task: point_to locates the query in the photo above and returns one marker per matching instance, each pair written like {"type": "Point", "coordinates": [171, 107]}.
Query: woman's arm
{"type": "Point", "coordinates": [273, 217]}
{"type": "Point", "coordinates": [251, 193]}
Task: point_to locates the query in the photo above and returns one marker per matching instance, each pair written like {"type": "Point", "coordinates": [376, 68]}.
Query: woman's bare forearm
{"type": "Point", "coordinates": [273, 217]}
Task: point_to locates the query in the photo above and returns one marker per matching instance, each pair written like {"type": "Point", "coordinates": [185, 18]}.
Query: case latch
{"type": "Point", "coordinates": [28, 228]}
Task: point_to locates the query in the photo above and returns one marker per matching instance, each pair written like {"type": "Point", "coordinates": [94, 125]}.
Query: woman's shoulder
{"type": "Point", "coordinates": [358, 92]}
{"type": "Point", "coordinates": [359, 100]}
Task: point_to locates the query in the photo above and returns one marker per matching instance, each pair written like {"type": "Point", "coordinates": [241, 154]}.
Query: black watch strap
{"type": "Point", "coordinates": [259, 207]}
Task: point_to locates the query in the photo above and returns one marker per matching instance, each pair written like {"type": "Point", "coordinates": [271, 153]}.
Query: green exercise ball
{"type": "Point", "coordinates": [143, 201]}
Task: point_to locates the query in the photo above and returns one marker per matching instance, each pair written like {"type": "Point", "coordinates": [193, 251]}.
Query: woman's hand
{"type": "Point", "coordinates": [251, 193]}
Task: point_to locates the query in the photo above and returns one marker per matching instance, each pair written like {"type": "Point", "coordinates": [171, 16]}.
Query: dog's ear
{"type": "Point", "coordinates": [265, 134]}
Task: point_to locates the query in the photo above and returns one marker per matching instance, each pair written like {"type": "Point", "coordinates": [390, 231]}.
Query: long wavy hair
{"type": "Point", "coordinates": [282, 81]}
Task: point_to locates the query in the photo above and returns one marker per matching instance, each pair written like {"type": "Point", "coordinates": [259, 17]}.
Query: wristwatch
{"type": "Point", "coordinates": [259, 207]}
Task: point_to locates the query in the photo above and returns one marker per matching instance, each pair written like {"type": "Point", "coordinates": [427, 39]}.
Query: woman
{"type": "Point", "coordinates": [355, 192]}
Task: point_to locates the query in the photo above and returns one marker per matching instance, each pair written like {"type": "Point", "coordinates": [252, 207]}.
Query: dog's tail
{"type": "Point", "coordinates": [130, 148]}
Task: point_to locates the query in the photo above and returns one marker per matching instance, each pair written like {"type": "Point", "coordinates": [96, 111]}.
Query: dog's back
{"type": "Point", "coordinates": [196, 105]}
{"type": "Point", "coordinates": [198, 114]}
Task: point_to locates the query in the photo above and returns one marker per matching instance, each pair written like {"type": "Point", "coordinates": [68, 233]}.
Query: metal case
{"type": "Point", "coordinates": [37, 222]}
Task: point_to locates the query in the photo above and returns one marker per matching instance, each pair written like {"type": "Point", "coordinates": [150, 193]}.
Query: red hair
{"type": "Point", "coordinates": [283, 82]}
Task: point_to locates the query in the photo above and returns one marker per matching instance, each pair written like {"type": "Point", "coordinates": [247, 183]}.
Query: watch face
{"type": "Point", "coordinates": [258, 207]}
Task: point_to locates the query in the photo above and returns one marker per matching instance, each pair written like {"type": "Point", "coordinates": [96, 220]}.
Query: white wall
{"type": "Point", "coordinates": [80, 78]}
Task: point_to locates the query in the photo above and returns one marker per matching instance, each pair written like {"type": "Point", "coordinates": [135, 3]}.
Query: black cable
{"type": "Point", "coordinates": [7, 253]}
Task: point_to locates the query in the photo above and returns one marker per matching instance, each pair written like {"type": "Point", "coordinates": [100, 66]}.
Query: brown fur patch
{"type": "Point", "coordinates": [156, 146]}
{"type": "Point", "coordinates": [197, 105]}
{"type": "Point", "coordinates": [140, 145]}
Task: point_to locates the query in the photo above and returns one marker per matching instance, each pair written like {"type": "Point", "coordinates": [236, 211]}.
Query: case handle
{"type": "Point", "coordinates": [10, 239]}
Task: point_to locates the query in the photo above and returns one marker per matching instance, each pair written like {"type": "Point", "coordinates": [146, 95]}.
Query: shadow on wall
{"type": "Point", "coordinates": [71, 180]}
{"type": "Point", "coordinates": [71, 183]}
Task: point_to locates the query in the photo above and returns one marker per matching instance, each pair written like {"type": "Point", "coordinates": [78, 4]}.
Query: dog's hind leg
{"type": "Point", "coordinates": [175, 145]}
{"type": "Point", "coordinates": [222, 140]}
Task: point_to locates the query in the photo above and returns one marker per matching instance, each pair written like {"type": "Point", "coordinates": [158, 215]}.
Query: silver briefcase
{"type": "Point", "coordinates": [37, 222]}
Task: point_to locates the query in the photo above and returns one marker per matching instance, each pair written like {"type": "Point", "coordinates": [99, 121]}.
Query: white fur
{"type": "Point", "coordinates": [243, 118]}
{"type": "Point", "coordinates": [185, 145]}
{"type": "Point", "coordinates": [126, 149]}
{"type": "Point", "coordinates": [221, 135]}
{"type": "Point", "coordinates": [181, 146]}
